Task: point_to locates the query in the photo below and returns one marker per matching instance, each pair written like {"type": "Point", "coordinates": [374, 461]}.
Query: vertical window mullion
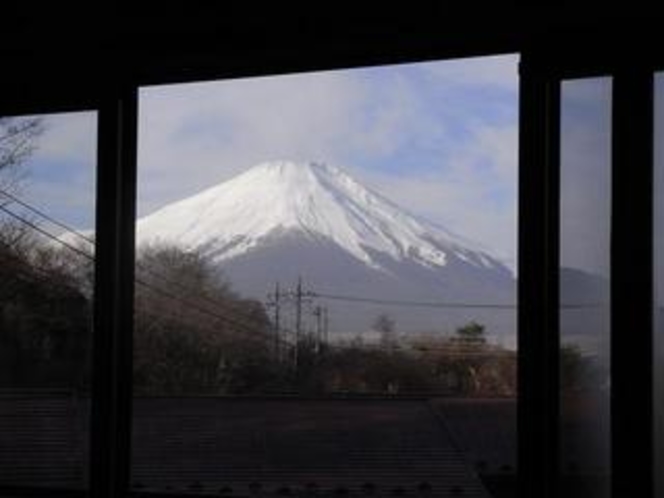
{"type": "Point", "coordinates": [632, 283]}
{"type": "Point", "coordinates": [113, 311]}
{"type": "Point", "coordinates": [539, 137]}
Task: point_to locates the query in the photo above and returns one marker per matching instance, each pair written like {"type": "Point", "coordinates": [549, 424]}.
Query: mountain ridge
{"type": "Point", "coordinates": [317, 199]}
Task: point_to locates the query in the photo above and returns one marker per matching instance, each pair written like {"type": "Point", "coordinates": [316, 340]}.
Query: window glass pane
{"type": "Point", "coordinates": [659, 283]}
{"type": "Point", "coordinates": [584, 285]}
{"type": "Point", "coordinates": [47, 186]}
{"type": "Point", "coordinates": [325, 291]}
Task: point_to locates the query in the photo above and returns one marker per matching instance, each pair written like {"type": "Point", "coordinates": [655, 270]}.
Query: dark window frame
{"type": "Point", "coordinates": [632, 278]}
{"type": "Point", "coordinates": [111, 400]}
{"type": "Point", "coordinates": [632, 272]}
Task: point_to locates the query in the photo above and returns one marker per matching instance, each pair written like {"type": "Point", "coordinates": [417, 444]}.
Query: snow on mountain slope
{"type": "Point", "coordinates": [315, 200]}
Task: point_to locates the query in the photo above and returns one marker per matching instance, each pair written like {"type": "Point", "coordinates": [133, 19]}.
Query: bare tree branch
{"type": "Point", "coordinates": [18, 140]}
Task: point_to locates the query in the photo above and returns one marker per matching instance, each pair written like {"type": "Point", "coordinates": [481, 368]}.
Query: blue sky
{"type": "Point", "coordinates": [59, 178]}
{"type": "Point", "coordinates": [439, 138]}
{"type": "Point", "coordinates": [585, 155]}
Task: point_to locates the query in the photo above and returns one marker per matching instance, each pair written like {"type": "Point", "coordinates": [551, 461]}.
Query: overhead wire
{"type": "Point", "coordinates": [47, 234]}
{"type": "Point", "coordinates": [139, 265]}
{"type": "Point", "coordinates": [46, 216]}
{"type": "Point", "coordinates": [89, 257]}
{"type": "Point", "coordinates": [437, 304]}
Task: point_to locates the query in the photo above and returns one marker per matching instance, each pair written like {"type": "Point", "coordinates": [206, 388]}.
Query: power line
{"type": "Point", "coordinates": [420, 304]}
{"type": "Point", "coordinates": [157, 290]}
{"type": "Point", "coordinates": [337, 297]}
{"type": "Point", "coordinates": [184, 288]}
{"type": "Point", "coordinates": [90, 240]}
{"type": "Point", "coordinates": [191, 304]}
{"type": "Point", "coordinates": [275, 301]}
{"type": "Point", "coordinates": [69, 246]}
{"type": "Point", "coordinates": [430, 304]}
{"type": "Point", "coordinates": [35, 274]}
{"type": "Point", "coordinates": [47, 217]}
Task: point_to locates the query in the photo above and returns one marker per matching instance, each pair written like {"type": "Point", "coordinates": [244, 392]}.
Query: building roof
{"type": "Point", "coordinates": [341, 446]}
{"type": "Point", "coordinates": [41, 438]}
{"type": "Point", "coordinates": [247, 445]}
{"type": "Point", "coordinates": [485, 430]}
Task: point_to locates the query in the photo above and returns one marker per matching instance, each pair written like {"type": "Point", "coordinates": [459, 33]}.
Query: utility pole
{"type": "Point", "coordinates": [301, 297]}
{"type": "Point", "coordinates": [298, 310]}
{"type": "Point", "coordinates": [298, 321]}
{"type": "Point", "coordinates": [326, 325]}
{"type": "Point", "coordinates": [318, 313]}
{"type": "Point", "coordinates": [277, 318]}
{"type": "Point", "coordinates": [274, 300]}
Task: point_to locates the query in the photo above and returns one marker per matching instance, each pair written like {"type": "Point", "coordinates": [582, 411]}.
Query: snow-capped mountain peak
{"type": "Point", "coordinates": [314, 200]}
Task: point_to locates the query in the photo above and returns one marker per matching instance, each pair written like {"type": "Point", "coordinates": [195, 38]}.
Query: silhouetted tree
{"type": "Point", "coordinates": [193, 334]}
{"type": "Point", "coordinates": [44, 316]}
{"type": "Point", "coordinates": [472, 333]}
{"type": "Point", "coordinates": [354, 368]}
{"type": "Point", "coordinates": [18, 140]}
{"type": "Point", "coordinates": [44, 320]}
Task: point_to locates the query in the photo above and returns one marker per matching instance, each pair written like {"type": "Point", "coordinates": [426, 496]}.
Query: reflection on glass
{"type": "Point", "coordinates": [304, 322]}
{"type": "Point", "coordinates": [584, 286]}
{"type": "Point", "coordinates": [47, 167]}
{"type": "Point", "coordinates": [659, 283]}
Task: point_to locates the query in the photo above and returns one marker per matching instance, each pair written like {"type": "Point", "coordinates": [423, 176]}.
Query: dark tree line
{"type": "Point", "coordinates": [44, 319]}
{"type": "Point", "coordinates": [193, 333]}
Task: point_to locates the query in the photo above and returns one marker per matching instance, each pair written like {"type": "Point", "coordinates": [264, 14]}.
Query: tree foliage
{"type": "Point", "coordinates": [193, 334]}
{"type": "Point", "coordinates": [466, 364]}
{"type": "Point", "coordinates": [44, 319]}
{"type": "Point", "coordinates": [472, 333]}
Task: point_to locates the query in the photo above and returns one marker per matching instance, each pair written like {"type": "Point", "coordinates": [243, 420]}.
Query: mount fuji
{"type": "Point", "coordinates": [280, 221]}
